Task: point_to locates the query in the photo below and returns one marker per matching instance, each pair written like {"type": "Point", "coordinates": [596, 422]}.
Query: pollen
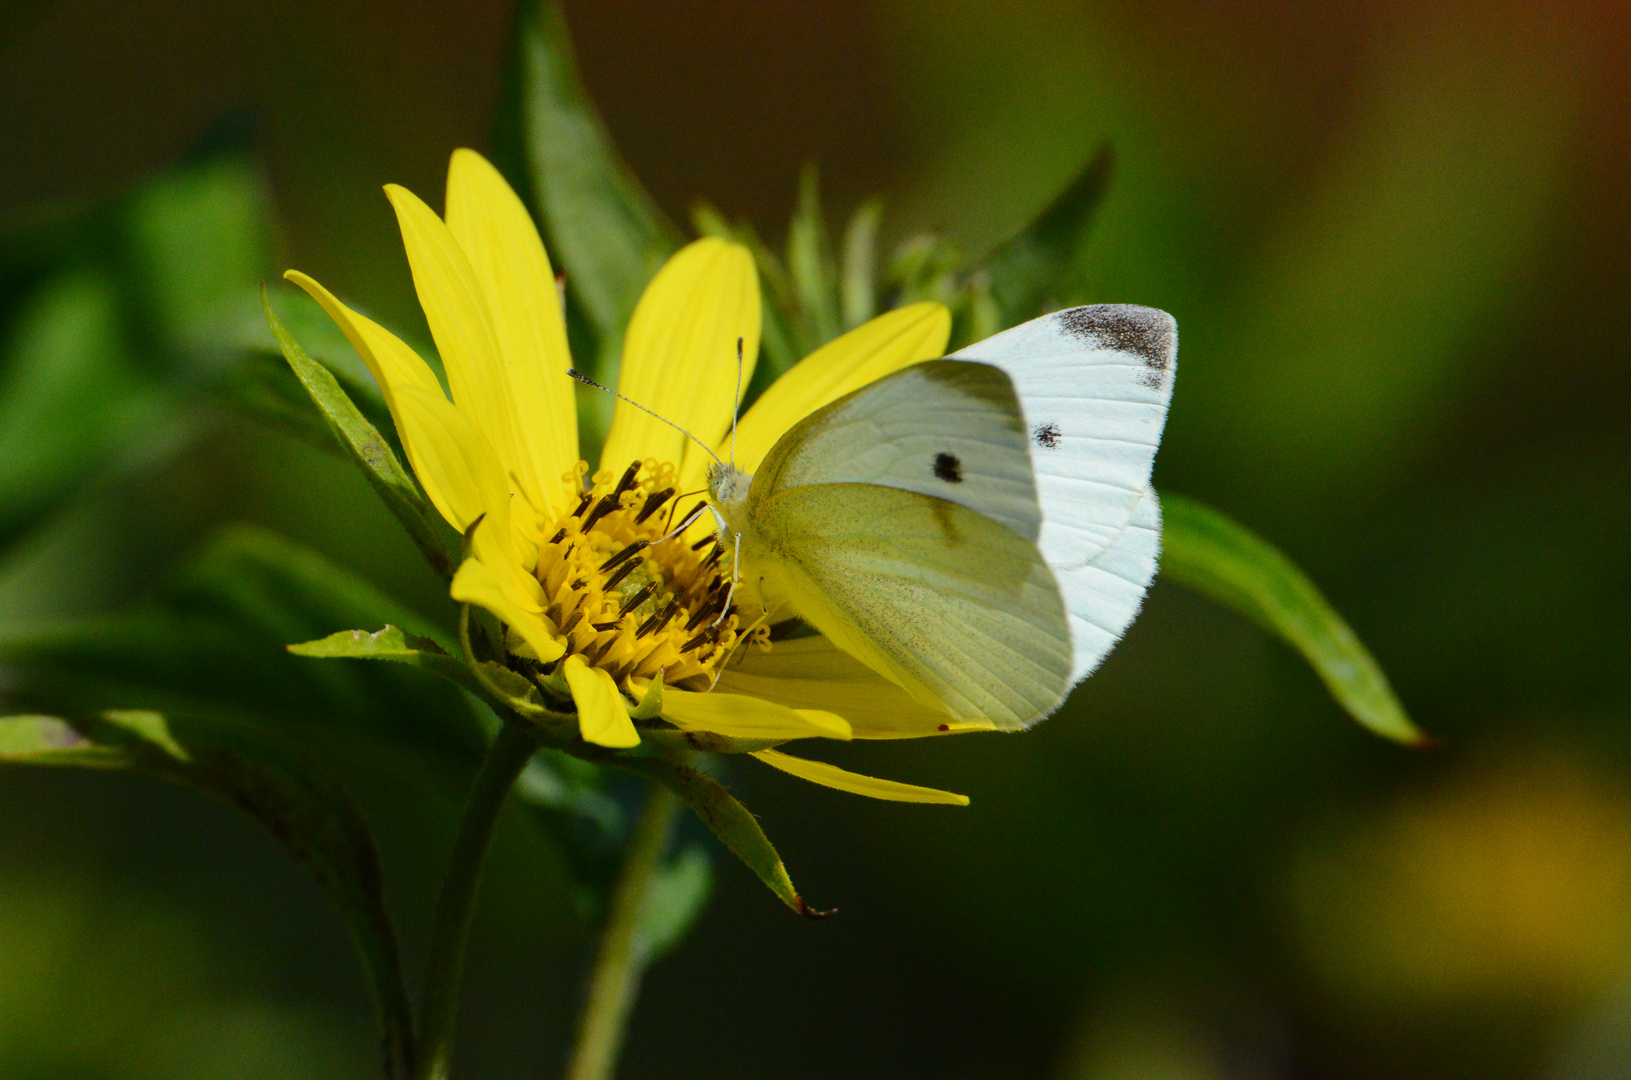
{"type": "Point", "coordinates": [634, 600]}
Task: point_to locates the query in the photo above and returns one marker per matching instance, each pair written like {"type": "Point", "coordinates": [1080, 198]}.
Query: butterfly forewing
{"type": "Point", "coordinates": [954, 606]}
{"type": "Point", "coordinates": [1093, 385]}
{"type": "Point", "coordinates": [945, 428]}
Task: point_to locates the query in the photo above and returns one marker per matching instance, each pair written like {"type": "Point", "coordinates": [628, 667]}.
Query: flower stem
{"type": "Point", "coordinates": [623, 955]}
{"type": "Point", "coordinates": [455, 907]}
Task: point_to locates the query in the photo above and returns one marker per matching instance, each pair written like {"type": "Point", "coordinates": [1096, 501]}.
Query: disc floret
{"type": "Point", "coordinates": [629, 597]}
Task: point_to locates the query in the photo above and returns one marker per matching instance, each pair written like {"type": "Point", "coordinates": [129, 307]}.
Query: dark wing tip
{"type": "Point", "coordinates": [1148, 333]}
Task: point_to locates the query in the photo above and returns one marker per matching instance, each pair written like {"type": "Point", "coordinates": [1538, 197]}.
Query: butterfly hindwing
{"type": "Point", "coordinates": [1102, 597]}
{"type": "Point", "coordinates": [952, 605]}
{"type": "Point", "coordinates": [981, 528]}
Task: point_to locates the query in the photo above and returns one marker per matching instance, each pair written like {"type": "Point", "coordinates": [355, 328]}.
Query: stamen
{"type": "Point", "coordinates": [658, 621]}
{"type": "Point", "coordinates": [706, 608]}
{"type": "Point", "coordinates": [701, 639]}
{"type": "Point", "coordinates": [616, 579]}
{"type": "Point", "coordinates": [627, 483]}
{"type": "Point", "coordinates": [602, 508]}
{"type": "Point", "coordinates": [681, 599]}
{"type": "Point", "coordinates": [637, 599]}
{"type": "Point", "coordinates": [654, 502]}
{"type": "Point", "coordinates": [594, 658]}
{"type": "Point", "coordinates": [626, 553]}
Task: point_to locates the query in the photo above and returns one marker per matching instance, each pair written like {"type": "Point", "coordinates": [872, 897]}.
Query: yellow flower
{"type": "Point", "coordinates": [568, 559]}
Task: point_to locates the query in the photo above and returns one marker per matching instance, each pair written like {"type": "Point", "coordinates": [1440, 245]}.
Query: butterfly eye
{"type": "Point", "coordinates": [948, 468]}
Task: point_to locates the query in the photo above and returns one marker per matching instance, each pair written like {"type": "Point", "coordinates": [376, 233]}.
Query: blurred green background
{"type": "Point", "coordinates": [1395, 237]}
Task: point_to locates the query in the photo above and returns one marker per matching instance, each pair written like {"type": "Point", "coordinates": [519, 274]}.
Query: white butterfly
{"type": "Point", "coordinates": [980, 529]}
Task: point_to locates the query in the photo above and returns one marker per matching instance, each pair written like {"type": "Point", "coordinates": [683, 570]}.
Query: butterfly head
{"type": "Point", "coordinates": [728, 487]}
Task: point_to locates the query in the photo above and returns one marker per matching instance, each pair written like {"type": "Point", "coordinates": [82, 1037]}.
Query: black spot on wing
{"type": "Point", "coordinates": [1046, 436]}
{"type": "Point", "coordinates": [948, 468]}
{"type": "Point", "coordinates": [1148, 334]}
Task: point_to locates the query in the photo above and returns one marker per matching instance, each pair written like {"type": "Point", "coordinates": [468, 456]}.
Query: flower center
{"type": "Point", "coordinates": [635, 607]}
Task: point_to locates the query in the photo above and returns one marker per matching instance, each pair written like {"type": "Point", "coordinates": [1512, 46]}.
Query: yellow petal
{"type": "Point", "coordinates": [507, 257]}
{"type": "Point", "coordinates": [457, 463]}
{"type": "Point", "coordinates": [741, 717]}
{"type": "Point", "coordinates": [461, 474]}
{"type": "Point", "coordinates": [819, 772]}
{"type": "Point", "coordinates": [389, 360]}
{"type": "Point", "coordinates": [812, 672]}
{"type": "Point", "coordinates": [679, 356]}
{"type": "Point", "coordinates": [476, 584]}
{"type": "Point", "coordinates": [456, 310]}
{"type": "Point", "coordinates": [603, 715]}
{"type": "Point", "coordinates": [866, 354]}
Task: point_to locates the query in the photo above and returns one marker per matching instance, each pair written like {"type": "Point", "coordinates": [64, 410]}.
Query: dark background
{"type": "Point", "coordinates": [1395, 239]}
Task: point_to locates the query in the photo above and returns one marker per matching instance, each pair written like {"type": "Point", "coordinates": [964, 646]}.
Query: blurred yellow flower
{"type": "Point", "coordinates": [570, 560]}
{"type": "Point", "coordinates": [1508, 887]}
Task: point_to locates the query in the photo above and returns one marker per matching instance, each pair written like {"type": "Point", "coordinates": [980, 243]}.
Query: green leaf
{"type": "Point", "coordinates": [651, 704]}
{"type": "Point", "coordinates": [1214, 555]}
{"type": "Point", "coordinates": [390, 643]}
{"type": "Point", "coordinates": [1036, 268]}
{"type": "Point", "coordinates": [603, 228]}
{"type": "Point", "coordinates": [213, 641]}
{"type": "Point", "coordinates": [737, 829]}
{"type": "Point", "coordinates": [555, 780]}
{"type": "Point", "coordinates": [262, 386]}
{"type": "Point", "coordinates": [200, 237]}
{"type": "Point", "coordinates": [245, 367]}
{"type": "Point", "coordinates": [498, 685]}
{"type": "Point", "coordinates": [858, 278]}
{"type": "Point", "coordinates": [309, 816]}
{"type": "Point", "coordinates": [675, 898]}
{"type": "Point", "coordinates": [924, 267]}
{"type": "Point", "coordinates": [51, 740]}
{"type": "Point", "coordinates": [810, 263]}
{"type": "Point", "coordinates": [72, 397]}
{"type": "Point", "coordinates": [372, 454]}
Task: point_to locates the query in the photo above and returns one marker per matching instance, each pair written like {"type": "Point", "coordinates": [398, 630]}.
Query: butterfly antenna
{"type": "Point", "coordinates": [736, 405]}
{"type": "Point", "coordinates": [582, 378]}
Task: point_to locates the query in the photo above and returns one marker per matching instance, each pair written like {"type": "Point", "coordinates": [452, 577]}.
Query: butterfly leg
{"type": "Point", "coordinates": [736, 575]}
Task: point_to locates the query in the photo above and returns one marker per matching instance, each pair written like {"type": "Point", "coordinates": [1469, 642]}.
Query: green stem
{"type": "Point", "coordinates": [623, 954]}
{"type": "Point", "coordinates": [455, 907]}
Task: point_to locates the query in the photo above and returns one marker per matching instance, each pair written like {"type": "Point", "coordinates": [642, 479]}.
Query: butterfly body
{"type": "Point", "coordinates": [910, 522]}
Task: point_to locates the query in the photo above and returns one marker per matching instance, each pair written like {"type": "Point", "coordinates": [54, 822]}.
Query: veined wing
{"type": "Point", "coordinates": [959, 610]}
{"type": "Point", "coordinates": [1093, 385]}
{"type": "Point", "coordinates": [1102, 597]}
{"type": "Point", "coordinates": [944, 428]}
